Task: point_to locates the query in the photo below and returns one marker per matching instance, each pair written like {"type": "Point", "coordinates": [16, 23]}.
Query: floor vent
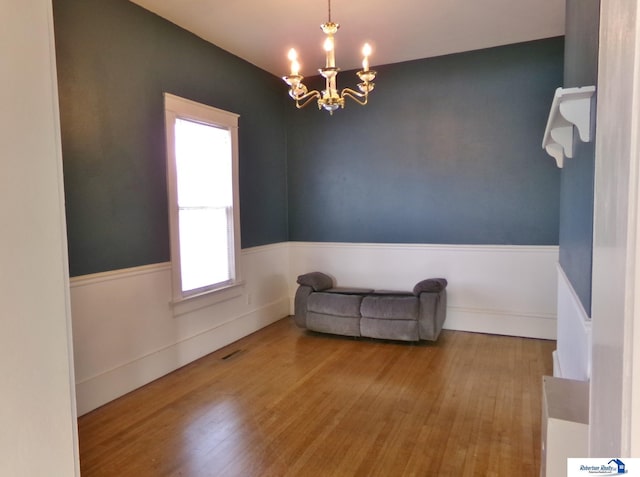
{"type": "Point", "coordinates": [233, 354]}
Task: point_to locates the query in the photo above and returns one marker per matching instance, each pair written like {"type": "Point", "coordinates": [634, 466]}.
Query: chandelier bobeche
{"type": "Point", "coordinates": [330, 99]}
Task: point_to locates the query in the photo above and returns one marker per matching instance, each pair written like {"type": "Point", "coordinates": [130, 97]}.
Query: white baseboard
{"type": "Point", "coordinates": [496, 322]}
{"type": "Point", "coordinates": [100, 389]}
{"type": "Point", "coordinates": [501, 323]}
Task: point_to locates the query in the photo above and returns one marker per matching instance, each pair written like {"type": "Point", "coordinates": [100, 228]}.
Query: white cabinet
{"type": "Point", "coordinates": [565, 424]}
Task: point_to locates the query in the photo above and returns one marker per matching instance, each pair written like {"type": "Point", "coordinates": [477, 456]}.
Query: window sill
{"type": "Point", "coordinates": [185, 305]}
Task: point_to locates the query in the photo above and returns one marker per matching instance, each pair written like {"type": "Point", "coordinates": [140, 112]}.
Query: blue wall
{"type": "Point", "coordinates": [447, 151]}
{"type": "Point", "coordinates": [577, 180]}
{"type": "Point", "coordinates": [115, 60]}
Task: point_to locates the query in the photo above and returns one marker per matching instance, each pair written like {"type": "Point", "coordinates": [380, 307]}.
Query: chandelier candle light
{"type": "Point", "coordinates": [329, 99]}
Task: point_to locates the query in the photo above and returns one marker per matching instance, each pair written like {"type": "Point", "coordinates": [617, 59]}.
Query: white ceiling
{"type": "Point", "coordinates": [263, 31]}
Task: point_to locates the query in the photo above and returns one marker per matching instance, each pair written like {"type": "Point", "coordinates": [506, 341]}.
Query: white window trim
{"type": "Point", "coordinates": [177, 107]}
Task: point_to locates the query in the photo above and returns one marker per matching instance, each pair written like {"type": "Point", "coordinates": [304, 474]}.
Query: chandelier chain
{"type": "Point", "coordinates": [329, 8]}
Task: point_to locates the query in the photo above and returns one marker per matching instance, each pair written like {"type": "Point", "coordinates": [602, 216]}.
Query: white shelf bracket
{"type": "Point", "coordinates": [571, 107]}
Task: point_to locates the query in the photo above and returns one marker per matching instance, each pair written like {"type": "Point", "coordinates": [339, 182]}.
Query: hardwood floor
{"type": "Point", "coordinates": [289, 403]}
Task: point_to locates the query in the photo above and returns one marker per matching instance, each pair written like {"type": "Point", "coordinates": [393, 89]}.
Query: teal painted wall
{"type": "Point", "coordinates": [448, 150]}
{"type": "Point", "coordinates": [115, 60]}
{"type": "Point", "coordinates": [577, 179]}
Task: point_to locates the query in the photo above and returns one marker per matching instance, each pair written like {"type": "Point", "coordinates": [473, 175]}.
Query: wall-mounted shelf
{"type": "Point", "coordinates": [570, 107]}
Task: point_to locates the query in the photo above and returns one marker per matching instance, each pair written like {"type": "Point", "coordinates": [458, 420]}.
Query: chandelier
{"type": "Point", "coordinates": [329, 98]}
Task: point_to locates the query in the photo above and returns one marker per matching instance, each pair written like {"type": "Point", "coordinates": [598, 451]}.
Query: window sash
{"type": "Point", "coordinates": [205, 255]}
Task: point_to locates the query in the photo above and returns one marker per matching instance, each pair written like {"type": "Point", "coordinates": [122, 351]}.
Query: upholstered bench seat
{"type": "Point", "coordinates": [383, 314]}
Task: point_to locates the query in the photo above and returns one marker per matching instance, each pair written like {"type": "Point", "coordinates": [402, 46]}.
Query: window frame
{"type": "Point", "coordinates": [176, 107]}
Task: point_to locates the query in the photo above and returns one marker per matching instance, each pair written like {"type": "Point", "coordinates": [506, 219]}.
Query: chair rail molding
{"type": "Point", "coordinates": [570, 107]}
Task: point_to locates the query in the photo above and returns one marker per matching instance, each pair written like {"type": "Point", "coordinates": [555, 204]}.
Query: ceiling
{"type": "Point", "coordinates": [262, 32]}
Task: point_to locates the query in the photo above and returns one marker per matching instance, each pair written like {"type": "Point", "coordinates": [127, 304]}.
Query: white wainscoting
{"type": "Point", "coordinates": [507, 290]}
{"type": "Point", "coordinates": [125, 334]}
{"type": "Point", "coordinates": [572, 358]}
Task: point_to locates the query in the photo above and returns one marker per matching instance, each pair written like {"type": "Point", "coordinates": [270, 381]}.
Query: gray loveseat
{"type": "Point", "coordinates": [393, 315]}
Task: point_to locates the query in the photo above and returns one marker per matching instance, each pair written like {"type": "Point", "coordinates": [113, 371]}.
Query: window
{"type": "Point", "coordinates": [202, 176]}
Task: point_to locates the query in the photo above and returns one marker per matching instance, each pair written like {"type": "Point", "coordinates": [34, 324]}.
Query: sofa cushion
{"type": "Point", "coordinates": [390, 307]}
{"type": "Point", "coordinates": [316, 280]}
{"type": "Point", "coordinates": [430, 285]}
{"type": "Point", "coordinates": [334, 304]}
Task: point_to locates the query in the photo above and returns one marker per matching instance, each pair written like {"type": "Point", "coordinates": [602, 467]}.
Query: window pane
{"type": "Point", "coordinates": [203, 163]}
{"type": "Point", "coordinates": [204, 242]}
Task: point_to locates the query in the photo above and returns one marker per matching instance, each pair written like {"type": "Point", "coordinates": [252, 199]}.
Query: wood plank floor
{"type": "Point", "coordinates": [292, 403]}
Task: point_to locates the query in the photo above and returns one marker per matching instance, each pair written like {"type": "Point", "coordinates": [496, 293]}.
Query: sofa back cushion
{"type": "Point", "coordinates": [334, 304]}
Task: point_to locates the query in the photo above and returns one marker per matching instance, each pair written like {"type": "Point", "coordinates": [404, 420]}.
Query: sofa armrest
{"type": "Point", "coordinates": [433, 311]}
{"type": "Point", "coordinates": [430, 285]}
{"type": "Point", "coordinates": [300, 305]}
{"type": "Point", "coordinates": [318, 281]}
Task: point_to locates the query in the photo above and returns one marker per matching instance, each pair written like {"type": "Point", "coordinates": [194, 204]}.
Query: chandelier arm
{"type": "Point", "coordinates": [360, 98]}
{"type": "Point", "coordinates": [307, 98]}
